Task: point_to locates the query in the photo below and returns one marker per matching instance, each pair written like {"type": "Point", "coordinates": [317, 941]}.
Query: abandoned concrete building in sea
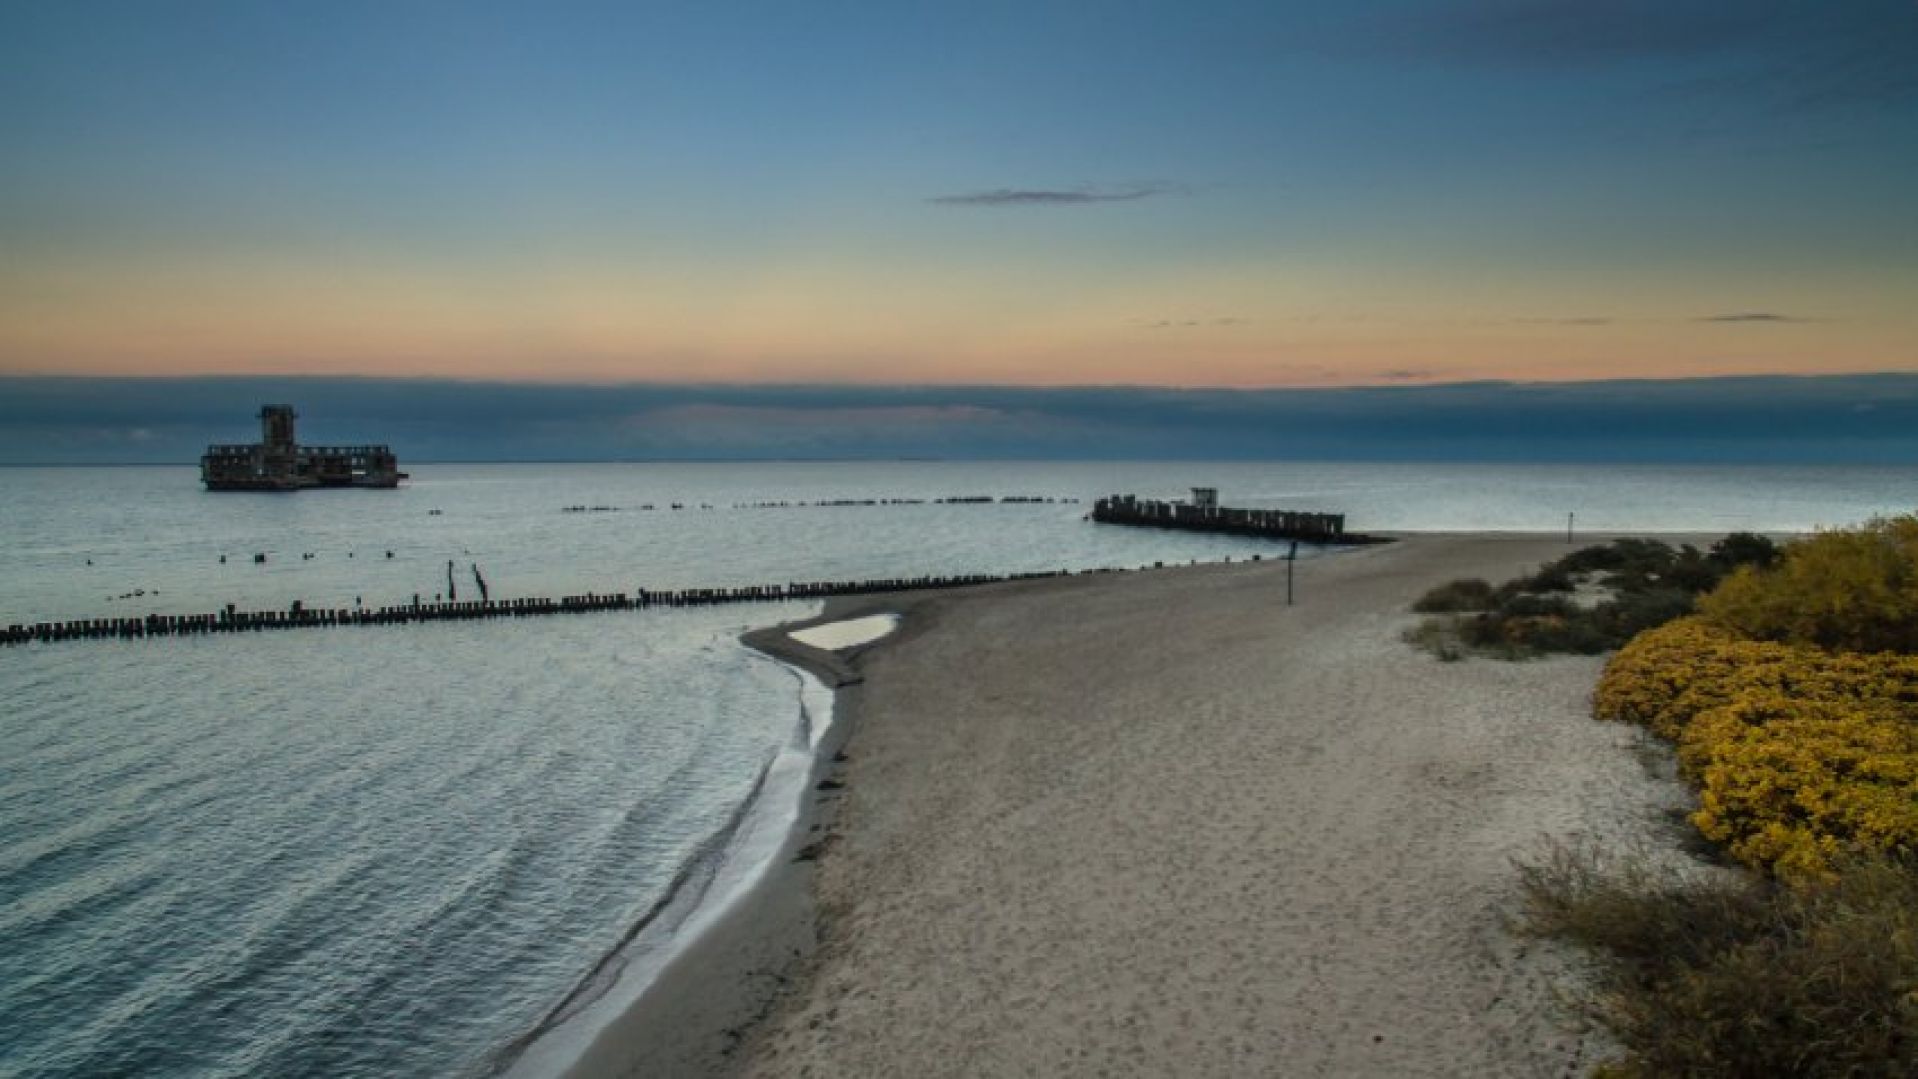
{"type": "Point", "coordinates": [278, 463]}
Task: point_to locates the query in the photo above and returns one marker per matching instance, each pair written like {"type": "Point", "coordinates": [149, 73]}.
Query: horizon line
{"type": "Point", "coordinates": [1146, 387]}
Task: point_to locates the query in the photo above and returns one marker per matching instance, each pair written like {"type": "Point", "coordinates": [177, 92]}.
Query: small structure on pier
{"type": "Point", "coordinates": [1205, 498]}
{"type": "Point", "coordinates": [278, 463]}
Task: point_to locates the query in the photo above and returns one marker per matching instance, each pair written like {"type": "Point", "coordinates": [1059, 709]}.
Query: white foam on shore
{"type": "Point", "coordinates": [747, 857]}
{"type": "Point", "coordinates": [833, 636]}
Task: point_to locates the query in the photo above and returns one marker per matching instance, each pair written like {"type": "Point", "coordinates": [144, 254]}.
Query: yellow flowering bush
{"type": "Point", "coordinates": [1803, 757]}
{"type": "Point", "coordinates": [1792, 785]}
{"type": "Point", "coordinates": [1664, 675]}
{"type": "Point", "coordinates": [1852, 589]}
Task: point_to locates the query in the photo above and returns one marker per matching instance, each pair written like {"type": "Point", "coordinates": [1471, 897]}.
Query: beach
{"type": "Point", "coordinates": [1161, 823]}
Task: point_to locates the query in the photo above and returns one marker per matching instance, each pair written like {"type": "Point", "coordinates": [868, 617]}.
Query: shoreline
{"type": "Point", "coordinates": [727, 868]}
{"type": "Point", "coordinates": [685, 1016]}
{"type": "Point", "coordinates": [814, 966]}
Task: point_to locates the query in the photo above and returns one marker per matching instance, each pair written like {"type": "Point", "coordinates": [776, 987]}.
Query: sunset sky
{"type": "Point", "coordinates": [1266, 194]}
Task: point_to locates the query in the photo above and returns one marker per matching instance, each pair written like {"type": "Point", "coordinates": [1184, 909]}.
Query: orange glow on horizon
{"type": "Point", "coordinates": [1233, 327]}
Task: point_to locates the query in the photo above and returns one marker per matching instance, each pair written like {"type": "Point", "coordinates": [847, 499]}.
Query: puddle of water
{"type": "Point", "coordinates": [854, 631]}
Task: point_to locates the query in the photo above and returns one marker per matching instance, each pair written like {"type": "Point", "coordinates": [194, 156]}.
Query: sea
{"type": "Point", "coordinates": [412, 850]}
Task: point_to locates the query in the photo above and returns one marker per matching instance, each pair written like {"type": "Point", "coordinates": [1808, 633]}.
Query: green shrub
{"type": "Point", "coordinates": [1652, 583]}
{"type": "Point", "coordinates": [1691, 572]}
{"type": "Point", "coordinates": [1532, 606]}
{"type": "Point", "coordinates": [1630, 613]}
{"type": "Point", "coordinates": [1482, 630]}
{"type": "Point", "coordinates": [1551, 577]}
{"type": "Point", "coordinates": [1578, 636]}
{"type": "Point", "coordinates": [1628, 555]}
{"type": "Point", "coordinates": [1531, 626]}
{"type": "Point", "coordinates": [1464, 594]}
{"type": "Point", "coordinates": [1648, 554]}
{"type": "Point", "coordinates": [1744, 549]}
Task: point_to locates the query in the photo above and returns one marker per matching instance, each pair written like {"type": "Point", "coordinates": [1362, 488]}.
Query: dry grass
{"type": "Point", "coordinates": [1438, 636]}
{"type": "Point", "coordinates": [1727, 974]}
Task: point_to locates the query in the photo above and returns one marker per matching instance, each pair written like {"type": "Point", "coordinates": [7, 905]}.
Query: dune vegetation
{"type": "Point", "coordinates": [1735, 974]}
{"type": "Point", "coordinates": [1791, 696]}
{"type": "Point", "coordinates": [1801, 756]}
{"type": "Point", "coordinates": [1592, 600]}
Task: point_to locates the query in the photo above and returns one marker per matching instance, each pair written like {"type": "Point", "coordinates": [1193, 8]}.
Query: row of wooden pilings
{"type": "Point", "coordinates": [231, 620]}
{"type": "Point", "coordinates": [835, 503]}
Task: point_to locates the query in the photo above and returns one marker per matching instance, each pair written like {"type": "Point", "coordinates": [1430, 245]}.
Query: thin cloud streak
{"type": "Point", "coordinates": [1754, 316]}
{"type": "Point", "coordinates": [1731, 317]}
{"type": "Point", "coordinates": [1193, 323]}
{"type": "Point", "coordinates": [1028, 196]}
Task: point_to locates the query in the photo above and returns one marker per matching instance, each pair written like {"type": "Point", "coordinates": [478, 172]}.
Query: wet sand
{"type": "Point", "coordinates": [1162, 824]}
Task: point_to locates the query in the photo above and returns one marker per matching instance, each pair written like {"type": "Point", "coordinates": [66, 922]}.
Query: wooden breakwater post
{"type": "Point", "coordinates": [1205, 516]}
{"type": "Point", "coordinates": [1291, 565]}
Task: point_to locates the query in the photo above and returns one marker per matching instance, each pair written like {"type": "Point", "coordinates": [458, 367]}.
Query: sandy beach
{"type": "Point", "coordinates": [1162, 824]}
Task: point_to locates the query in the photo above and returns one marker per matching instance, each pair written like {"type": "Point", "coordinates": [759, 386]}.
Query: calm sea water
{"type": "Point", "coordinates": [393, 850]}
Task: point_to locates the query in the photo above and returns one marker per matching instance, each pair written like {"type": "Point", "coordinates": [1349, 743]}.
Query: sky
{"type": "Point", "coordinates": [1262, 195]}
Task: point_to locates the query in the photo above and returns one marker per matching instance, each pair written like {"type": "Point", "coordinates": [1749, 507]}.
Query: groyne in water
{"type": "Point", "coordinates": [838, 503]}
{"type": "Point", "coordinates": [1199, 517]}
{"type": "Point", "coordinates": [298, 615]}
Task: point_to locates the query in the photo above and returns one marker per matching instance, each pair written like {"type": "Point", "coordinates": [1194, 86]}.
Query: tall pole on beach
{"type": "Point", "coordinates": [1291, 560]}
{"type": "Point", "coordinates": [1568, 526]}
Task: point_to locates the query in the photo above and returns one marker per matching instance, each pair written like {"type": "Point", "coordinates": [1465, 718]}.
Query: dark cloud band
{"type": "Point", "coordinates": [1853, 418]}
